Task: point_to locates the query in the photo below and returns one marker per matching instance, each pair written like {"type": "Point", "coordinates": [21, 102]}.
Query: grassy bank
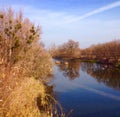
{"type": "Point", "coordinates": [91, 61]}
{"type": "Point", "coordinates": [20, 90]}
{"type": "Point", "coordinates": [24, 69]}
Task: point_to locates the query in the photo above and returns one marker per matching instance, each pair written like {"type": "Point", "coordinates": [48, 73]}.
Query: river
{"type": "Point", "coordinates": [87, 89]}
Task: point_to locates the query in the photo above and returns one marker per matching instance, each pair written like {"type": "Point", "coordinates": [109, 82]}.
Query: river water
{"type": "Point", "coordinates": [87, 89]}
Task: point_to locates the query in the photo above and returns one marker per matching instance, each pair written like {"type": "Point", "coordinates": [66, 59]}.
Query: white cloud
{"type": "Point", "coordinates": [54, 18]}
{"type": "Point", "coordinates": [58, 27]}
{"type": "Point", "coordinates": [43, 16]}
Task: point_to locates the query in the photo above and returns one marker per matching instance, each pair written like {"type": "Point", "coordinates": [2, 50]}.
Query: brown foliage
{"type": "Point", "coordinates": [67, 50]}
{"type": "Point", "coordinates": [16, 36]}
{"type": "Point", "coordinates": [22, 60]}
{"type": "Point", "coordinates": [109, 50]}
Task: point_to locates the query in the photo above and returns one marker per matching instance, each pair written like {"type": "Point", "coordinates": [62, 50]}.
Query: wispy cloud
{"type": "Point", "coordinates": [45, 16]}
{"type": "Point", "coordinates": [58, 26]}
{"type": "Point", "coordinates": [96, 11]}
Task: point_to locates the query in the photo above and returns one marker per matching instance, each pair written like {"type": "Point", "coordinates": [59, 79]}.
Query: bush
{"type": "Point", "coordinates": [22, 60]}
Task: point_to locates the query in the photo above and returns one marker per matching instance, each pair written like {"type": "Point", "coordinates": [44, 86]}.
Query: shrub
{"type": "Point", "coordinates": [22, 60]}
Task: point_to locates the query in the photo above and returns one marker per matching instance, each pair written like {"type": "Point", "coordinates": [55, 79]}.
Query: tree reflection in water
{"type": "Point", "coordinates": [103, 73]}
{"type": "Point", "coordinates": [106, 74]}
{"type": "Point", "coordinates": [71, 70]}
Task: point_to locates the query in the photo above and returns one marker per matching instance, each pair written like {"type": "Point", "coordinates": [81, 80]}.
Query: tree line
{"type": "Point", "coordinates": [108, 52]}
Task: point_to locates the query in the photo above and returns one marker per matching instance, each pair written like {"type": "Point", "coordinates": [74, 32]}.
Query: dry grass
{"type": "Point", "coordinates": [23, 101]}
{"type": "Point", "coordinates": [24, 66]}
{"type": "Point", "coordinates": [22, 95]}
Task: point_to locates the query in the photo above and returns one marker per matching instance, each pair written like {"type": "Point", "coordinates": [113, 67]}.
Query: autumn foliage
{"type": "Point", "coordinates": [22, 60]}
{"type": "Point", "coordinates": [107, 52]}
{"type": "Point", "coordinates": [69, 50]}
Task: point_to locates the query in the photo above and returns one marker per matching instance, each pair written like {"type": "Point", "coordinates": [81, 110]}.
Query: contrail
{"type": "Point", "coordinates": [96, 11]}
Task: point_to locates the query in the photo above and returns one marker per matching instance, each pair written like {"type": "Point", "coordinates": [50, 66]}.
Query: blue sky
{"type": "Point", "coordinates": [86, 21]}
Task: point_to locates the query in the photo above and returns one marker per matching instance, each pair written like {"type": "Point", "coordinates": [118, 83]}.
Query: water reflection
{"type": "Point", "coordinates": [71, 70]}
{"type": "Point", "coordinates": [83, 87]}
{"type": "Point", "coordinates": [103, 73]}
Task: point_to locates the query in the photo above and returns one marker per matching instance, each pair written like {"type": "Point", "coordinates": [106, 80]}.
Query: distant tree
{"type": "Point", "coordinates": [109, 50]}
{"type": "Point", "coordinates": [69, 49]}
{"type": "Point", "coordinates": [72, 46]}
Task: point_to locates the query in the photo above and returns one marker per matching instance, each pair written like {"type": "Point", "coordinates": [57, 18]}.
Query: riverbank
{"type": "Point", "coordinates": [106, 53]}
{"type": "Point", "coordinates": [18, 87]}
{"type": "Point", "coordinates": [25, 67]}
{"type": "Point", "coordinates": [108, 62]}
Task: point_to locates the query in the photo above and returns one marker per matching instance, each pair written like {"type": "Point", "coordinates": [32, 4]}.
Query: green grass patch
{"type": "Point", "coordinates": [91, 61]}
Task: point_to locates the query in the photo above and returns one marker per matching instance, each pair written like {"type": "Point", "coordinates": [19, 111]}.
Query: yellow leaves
{"type": "Point", "coordinates": [22, 99]}
{"type": "Point", "coordinates": [16, 83]}
{"type": "Point", "coordinates": [2, 75]}
{"type": "Point", "coordinates": [26, 63]}
{"type": "Point", "coordinates": [1, 61]}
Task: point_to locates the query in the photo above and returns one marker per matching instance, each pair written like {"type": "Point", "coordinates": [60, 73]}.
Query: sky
{"type": "Point", "coordinates": [85, 21]}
